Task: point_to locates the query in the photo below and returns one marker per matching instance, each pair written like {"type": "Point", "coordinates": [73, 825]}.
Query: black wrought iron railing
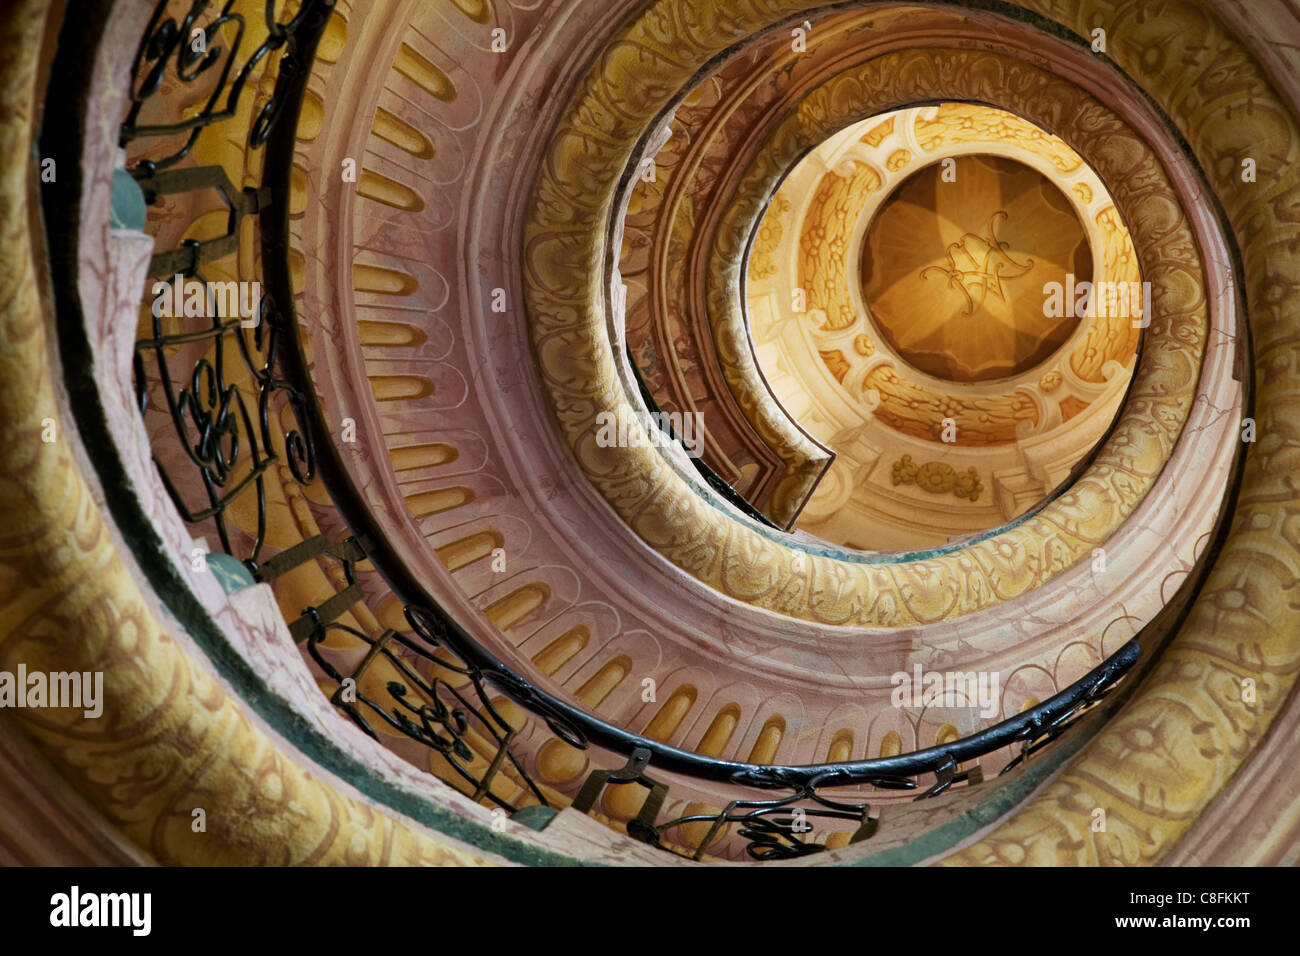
{"type": "Point", "coordinates": [230, 438]}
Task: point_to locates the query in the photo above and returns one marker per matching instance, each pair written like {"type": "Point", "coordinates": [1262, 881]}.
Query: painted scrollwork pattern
{"type": "Point", "coordinates": [822, 251]}
{"type": "Point", "coordinates": [564, 250]}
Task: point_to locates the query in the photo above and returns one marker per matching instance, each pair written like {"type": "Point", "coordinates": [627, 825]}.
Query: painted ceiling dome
{"type": "Point", "coordinates": [899, 297]}
{"type": "Point", "coordinates": [955, 262]}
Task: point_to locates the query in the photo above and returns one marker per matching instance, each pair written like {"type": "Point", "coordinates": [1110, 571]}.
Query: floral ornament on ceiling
{"type": "Point", "coordinates": [937, 478]}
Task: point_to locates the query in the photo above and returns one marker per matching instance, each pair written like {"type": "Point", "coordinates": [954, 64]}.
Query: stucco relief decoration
{"type": "Point", "coordinates": [937, 478]}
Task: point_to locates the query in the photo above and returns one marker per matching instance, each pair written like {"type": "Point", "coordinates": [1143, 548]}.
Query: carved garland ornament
{"type": "Point", "coordinates": [937, 478]}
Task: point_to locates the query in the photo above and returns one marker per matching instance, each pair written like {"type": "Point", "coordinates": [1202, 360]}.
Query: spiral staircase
{"type": "Point", "coordinates": [370, 583]}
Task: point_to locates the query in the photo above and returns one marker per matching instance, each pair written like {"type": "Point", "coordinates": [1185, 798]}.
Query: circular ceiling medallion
{"type": "Point", "coordinates": [954, 265]}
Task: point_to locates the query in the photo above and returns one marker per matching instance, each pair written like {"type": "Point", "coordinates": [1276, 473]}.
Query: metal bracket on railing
{"type": "Point", "coordinates": [192, 253]}
{"type": "Point", "coordinates": [348, 551]}
{"type": "Point", "coordinates": [948, 773]}
{"type": "Point", "coordinates": [642, 828]}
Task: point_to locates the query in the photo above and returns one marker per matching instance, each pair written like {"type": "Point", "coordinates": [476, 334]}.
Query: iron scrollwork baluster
{"type": "Point", "coordinates": [228, 434]}
{"type": "Point", "coordinates": [165, 38]}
